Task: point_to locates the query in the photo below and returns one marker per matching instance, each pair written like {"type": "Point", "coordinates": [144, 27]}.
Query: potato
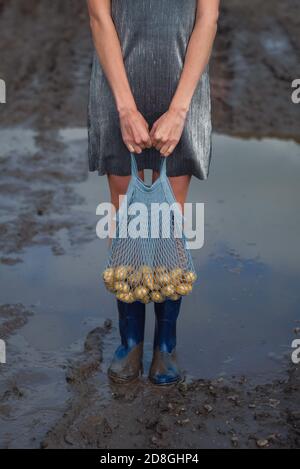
{"type": "Point", "coordinates": [182, 289]}
{"type": "Point", "coordinates": [160, 270]}
{"type": "Point", "coordinates": [146, 299]}
{"type": "Point", "coordinates": [121, 296]}
{"type": "Point", "coordinates": [157, 297]}
{"type": "Point", "coordinates": [140, 292]}
{"type": "Point", "coordinates": [190, 277]}
{"type": "Point", "coordinates": [176, 275]}
{"type": "Point", "coordinates": [108, 275]}
{"type": "Point", "coordinates": [128, 297]}
{"type": "Point", "coordinates": [121, 272]}
{"type": "Point", "coordinates": [168, 290]}
{"type": "Point", "coordinates": [145, 269]}
{"type": "Point", "coordinates": [174, 297]}
{"type": "Point", "coordinates": [134, 278]}
{"type": "Point", "coordinates": [122, 287]}
{"type": "Point", "coordinates": [110, 287]}
{"type": "Point", "coordinates": [163, 279]}
{"type": "Point", "coordinates": [148, 281]}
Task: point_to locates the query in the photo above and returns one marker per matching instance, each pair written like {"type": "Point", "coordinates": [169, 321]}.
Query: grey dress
{"type": "Point", "coordinates": [154, 36]}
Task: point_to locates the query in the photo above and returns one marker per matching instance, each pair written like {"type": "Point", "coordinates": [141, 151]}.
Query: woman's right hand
{"type": "Point", "coordinates": [135, 130]}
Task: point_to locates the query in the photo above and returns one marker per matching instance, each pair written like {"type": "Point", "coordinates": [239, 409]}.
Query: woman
{"type": "Point", "coordinates": [149, 95]}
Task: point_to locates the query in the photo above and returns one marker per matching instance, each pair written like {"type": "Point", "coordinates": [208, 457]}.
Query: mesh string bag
{"type": "Point", "coordinates": [148, 258]}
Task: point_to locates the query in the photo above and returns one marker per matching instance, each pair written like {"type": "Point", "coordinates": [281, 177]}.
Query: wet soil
{"type": "Point", "coordinates": [47, 65]}
{"type": "Point", "coordinates": [198, 414]}
{"type": "Point", "coordinates": [254, 64]}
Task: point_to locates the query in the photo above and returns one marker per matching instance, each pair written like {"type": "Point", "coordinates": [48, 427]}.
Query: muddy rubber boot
{"type": "Point", "coordinates": [127, 363]}
{"type": "Point", "coordinates": [164, 368]}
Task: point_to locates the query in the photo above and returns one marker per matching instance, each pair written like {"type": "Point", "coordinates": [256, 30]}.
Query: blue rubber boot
{"type": "Point", "coordinates": [127, 363]}
{"type": "Point", "coordinates": [164, 368]}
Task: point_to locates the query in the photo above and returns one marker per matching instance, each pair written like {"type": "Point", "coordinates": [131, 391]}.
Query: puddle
{"type": "Point", "coordinates": [241, 317]}
{"type": "Point", "coordinates": [17, 139]}
{"type": "Point", "coordinates": [248, 295]}
{"type": "Point", "coordinates": [73, 134]}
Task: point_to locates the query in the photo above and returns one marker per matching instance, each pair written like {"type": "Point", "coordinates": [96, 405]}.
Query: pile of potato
{"type": "Point", "coordinates": [148, 284]}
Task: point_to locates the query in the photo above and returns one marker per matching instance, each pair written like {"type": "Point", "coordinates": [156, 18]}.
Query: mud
{"type": "Point", "coordinates": [47, 65]}
{"type": "Point", "coordinates": [199, 414]}
{"type": "Point", "coordinates": [12, 318]}
{"type": "Point", "coordinates": [45, 60]}
{"type": "Point", "coordinates": [254, 64]}
{"type": "Point", "coordinates": [36, 194]}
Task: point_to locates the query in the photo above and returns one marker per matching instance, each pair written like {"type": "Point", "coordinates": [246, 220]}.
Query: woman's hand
{"type": "Point", "coordinates": [167, 130]}
{"type": "Point", "coordinates": [135, 130]}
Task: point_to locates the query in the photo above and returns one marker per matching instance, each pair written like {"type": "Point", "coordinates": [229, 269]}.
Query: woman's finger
{"type": "Point", "coordinates": [168, 151]}
{"type": "Point", "coordinates": [158, 139]}
{"type": "Point", "coordinates": [146, 140]}
{"type": "Point", "coordinates": [140, 137]}
{"type": "Point", "coordinates": [164, 148]}
{"type": "Point", "coordinates": [153, 130]}
{"type": "Point", "coordinates": [133, 148]}
{"type": "Point", "coordinates": [130, 148]}
{"type": "Point", "coordinates": [158, 146]}
{"type": "Point", "coordinates": [137, 148]}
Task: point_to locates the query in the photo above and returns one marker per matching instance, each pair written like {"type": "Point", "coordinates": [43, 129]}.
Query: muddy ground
{"type": "Point", "coordinates": [201, 414]}
{"type": "Point", "coordinates": [45, 60]}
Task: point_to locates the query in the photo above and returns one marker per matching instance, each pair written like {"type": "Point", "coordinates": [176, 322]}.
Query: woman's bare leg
{"type": "Point", "coordinates": [118, 187]}
{"type": "Point", "coordinates": [180, 186]}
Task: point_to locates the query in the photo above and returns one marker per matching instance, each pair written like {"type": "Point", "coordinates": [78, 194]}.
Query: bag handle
{"type": "Point", "coordinates": [163, 167]}
{"type": "Point", "coordinates": [134, 167]}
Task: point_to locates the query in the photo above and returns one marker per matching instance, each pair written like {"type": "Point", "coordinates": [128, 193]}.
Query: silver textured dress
{"type": "Point", "coordinates": [154, 36]}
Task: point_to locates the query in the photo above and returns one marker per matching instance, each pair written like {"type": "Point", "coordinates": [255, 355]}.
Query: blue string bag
{"type": "Point", "coordinates": [148, 258]}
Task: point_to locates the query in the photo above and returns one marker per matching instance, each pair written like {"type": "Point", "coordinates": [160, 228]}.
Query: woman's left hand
{"type": "Point", "coordinates": [167, 130]}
